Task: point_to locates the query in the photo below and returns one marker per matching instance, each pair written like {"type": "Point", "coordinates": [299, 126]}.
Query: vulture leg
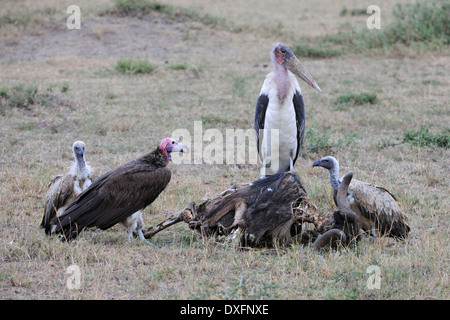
{"type": "Point", "coordinates": [141, 236]}
{"type": "Point", "coordinates": [134, 224]}
{"type": "Point", "coordinates": [130, 235]}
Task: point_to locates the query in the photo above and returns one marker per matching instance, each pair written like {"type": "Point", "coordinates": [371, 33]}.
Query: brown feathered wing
{"type": "Point", "coordinates": [115, 196]}
{"type": "Point", "coordinates": [59, 195]}
{"type": "Point", "coordinates": [378, 208]}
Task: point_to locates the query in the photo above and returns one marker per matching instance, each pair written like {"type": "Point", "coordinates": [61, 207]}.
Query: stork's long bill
{"type": "Point", "coordinates": [296, 67]}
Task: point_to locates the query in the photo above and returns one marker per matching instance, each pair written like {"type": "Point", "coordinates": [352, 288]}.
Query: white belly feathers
{"type": "Point", "coordinates": [280, 144]}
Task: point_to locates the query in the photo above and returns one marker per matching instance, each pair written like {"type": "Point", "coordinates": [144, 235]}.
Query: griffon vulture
{"type": "Point", "coordinates": [377, 209]}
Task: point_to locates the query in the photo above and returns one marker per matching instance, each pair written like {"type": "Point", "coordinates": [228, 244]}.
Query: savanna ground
{"type": "Point", "coordinates": [58, 86]}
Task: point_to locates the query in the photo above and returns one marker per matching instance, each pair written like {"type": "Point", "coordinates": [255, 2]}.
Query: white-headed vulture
{"type": "Point", "coordinates": [280, 113]}
{"type": "Point", "coordinates": [64, 188]}
{"type": "Point", "coordinates": [118, 194]}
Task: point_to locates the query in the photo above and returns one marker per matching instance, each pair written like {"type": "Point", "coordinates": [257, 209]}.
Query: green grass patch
{"type": "Point", "coordinates": [352, 12]}
{"type": "Point", "coordinates": [23, 96]}
{"type": "Point", "coordinates": [321, 142]}
{"type": "Point", "coordinates": [318, 141]}
{"type": "Point", "coordinates": [357, 99]}
{"type": "Point", "coordinates": [19, 96]}
{"type": "Point", "coordinates": [111, 96]}
{"type": "Point", "coordinates": [141, 7]}
{"type": "Point", "coordinates": [65, 88]}
{"type": "Point", "coordinates": [4, 92]}
{"type": "Point", "coordinates": [316, 51]}
{"type": "Point", "coordinates": [212, 119]}
{"type": "Point", "coordinates": [420, 25]}
{"type": "Point", "coordinates": [128, 66]}
{"type": "Point", "coordinates": [239, 83]}
{"type": "Point", "coordinates": [179, 66]}
{"type": "Point", "coordinates": [135, 7]}
{"type": "Point", "coordinates": [24, 18]}
{"type": "Point", "coordinates": [19, 20]}
{"type": "Point", "coordinates": [423, 137]}
{"type": "Point", "coordinates": [427, 22]}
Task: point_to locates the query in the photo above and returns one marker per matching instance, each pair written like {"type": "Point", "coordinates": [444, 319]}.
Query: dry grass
{"type": "Point", "coordinates": [123, 116]}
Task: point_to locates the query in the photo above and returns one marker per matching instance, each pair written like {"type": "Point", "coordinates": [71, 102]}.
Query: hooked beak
{"type": "Point", "coordinates": [296, 67]}
{"type": "Point", "coordinates": [316, 163]}
{"type": "Point", "coordinates": [179, 147]}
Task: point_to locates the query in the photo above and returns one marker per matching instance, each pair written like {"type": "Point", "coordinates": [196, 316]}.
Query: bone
{"type": "Point", "coordinates": [186, 215]}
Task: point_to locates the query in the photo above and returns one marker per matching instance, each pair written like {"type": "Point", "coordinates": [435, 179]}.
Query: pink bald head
{"type": "Point", "coordinates": [169, 145]}
{"type": "Point", "coordinates": [165, 142]}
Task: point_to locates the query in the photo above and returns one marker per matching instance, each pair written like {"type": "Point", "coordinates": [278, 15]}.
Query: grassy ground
{"type": "Point", "coordinates": [58, 86]}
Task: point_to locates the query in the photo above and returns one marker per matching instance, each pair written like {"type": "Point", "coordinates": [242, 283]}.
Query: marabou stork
{"type": "Point", "coordinates": [64, 188]}
{"type": "Point", "coordinates": [119, 195]}
{"type": "Point", "coordinates": [280, 107]}
{"type": "Point", "coordinates": [377, 209]}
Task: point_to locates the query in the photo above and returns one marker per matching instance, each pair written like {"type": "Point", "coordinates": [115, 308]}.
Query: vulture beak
{"type": "Point", "coordinates": [179, 147]}
{"type": "Point", "coordinates": [316, 163]}
{"type": "Point", "coordinates": [296, 67]}
{"type": "Point", "coordinates": [79, 151]}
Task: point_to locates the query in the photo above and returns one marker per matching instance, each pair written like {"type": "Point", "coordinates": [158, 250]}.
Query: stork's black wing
{"type": "Point", "coordinates": [300, 118]}
{"type": "Point", "coordinates": [113, 197]}
{"type": "Point", "coordinates": [260, 117]}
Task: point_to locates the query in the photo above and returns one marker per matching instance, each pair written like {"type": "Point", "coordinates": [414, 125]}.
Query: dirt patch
{"type": "Point", "coordinates": [153, 36]}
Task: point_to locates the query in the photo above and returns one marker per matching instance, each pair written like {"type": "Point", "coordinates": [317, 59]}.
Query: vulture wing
{"type": "Point", "coordinates": [60, 193]}
{"type": "Point", "coordinates": [92, 176]}
{"type": "Point", "coordinates": [300, 118]}
{"type": "Point", "coordinates": [113, 197]}
{"type": "Point", "coordinates": [377, 205]}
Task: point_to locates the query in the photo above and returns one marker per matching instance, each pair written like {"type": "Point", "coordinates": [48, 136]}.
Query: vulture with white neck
{"type": "Point", "coordinates": [119, 195]}
{"type": "Point", "coordinates": [64, 188]}
{"type": "Point", "coordinates": [377, 209]}
{"type": "Point", "coordinates": [280, 113]}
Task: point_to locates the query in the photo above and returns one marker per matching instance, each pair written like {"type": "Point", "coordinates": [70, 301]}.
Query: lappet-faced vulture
{"type": "Point", "coordinates": [280, 113]}
{"type": "Point", "coordinates": [120, 195]}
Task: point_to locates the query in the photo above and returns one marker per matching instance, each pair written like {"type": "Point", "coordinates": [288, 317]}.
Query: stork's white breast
{"type": "Point", "coordinates": [280, 115]}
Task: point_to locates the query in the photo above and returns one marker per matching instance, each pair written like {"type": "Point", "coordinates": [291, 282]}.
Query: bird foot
{"type": "Point", "coordinates": [141, 236]}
